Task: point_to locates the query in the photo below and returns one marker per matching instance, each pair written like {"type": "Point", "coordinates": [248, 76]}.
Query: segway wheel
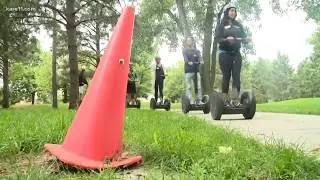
{"type": "Point", "coordinates": [153, 103]}
{"type": "Point", "coordinates": [216, 105]}
{"type": "Point", "coordinates": [138, 104]}
{"type": "Point", "coordinates": [249, 101]}
{"type": "Point", "coordinates": [167, 104]}
{"type": "Point", "coordinates": [206, 107]}
{"type": "Point", "coordinates": [185, 103]}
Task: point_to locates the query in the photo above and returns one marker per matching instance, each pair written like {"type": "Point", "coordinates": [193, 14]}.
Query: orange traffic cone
{"type": "Point", "coordinates": [96, 132]}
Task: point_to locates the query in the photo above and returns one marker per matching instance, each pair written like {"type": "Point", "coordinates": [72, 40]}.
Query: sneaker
{"type": "Point", "coordinates": [226, 100]}
{"type": "Point", "coordinates": [235, 103]}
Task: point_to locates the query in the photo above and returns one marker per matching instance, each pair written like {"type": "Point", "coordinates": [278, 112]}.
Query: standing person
{"type": "Point", "coordinates": [83, 83]}
{"type": "Point", "coordinates": [159, 79]}
{"type": "Point", "coordinates": [192, 60]}
{"type": "Point", "coordinates": [230, 34]}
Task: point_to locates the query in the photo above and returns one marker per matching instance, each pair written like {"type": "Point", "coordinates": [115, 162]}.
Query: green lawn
{"type": "Point", "coordinates": [296, 106]}
{"type": "Point", "coordinates": [172, 144]}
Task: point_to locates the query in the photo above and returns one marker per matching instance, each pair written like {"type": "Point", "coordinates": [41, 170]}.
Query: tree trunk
{"type": "Point", "coordinates": [206, 52]}
{"type": "Point", "coordinates": [72, 48]}
{"type": "Point", "coordinates": [213, 62]}
{"type": "Point", "coordinates": [54, 63]}
{"type": "Point", "coordinates": [215, 47]}
{"type": "Point", "coordinates": [183, 18]}
{"type": "Point", "coordinates": [97, 39]}
{"type": "Point", "coordinates": [5, 103]}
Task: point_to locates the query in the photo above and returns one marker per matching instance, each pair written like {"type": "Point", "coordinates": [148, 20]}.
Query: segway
{"type": "Point", "coordinates": [136, 104]}
{"type": "Point", "coordinates": [247, 105]}
{"type": "Point", "coordinates": [164, 104]}
{"type": "Point", "coordinates": [187, 106]}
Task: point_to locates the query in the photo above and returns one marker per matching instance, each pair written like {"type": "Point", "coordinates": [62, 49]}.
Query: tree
{"type": "Point", "coordinates": [43, 76]}
{"type": "Point", "coordinates": [54, 59]}
{"type": "Point", "coordinates": [94, 31]}
{"type": "Point", "coordinates": [22, 83]}
{"type": "Point", "coordinates": [16, 44]}
{"type": "Point", "coordinates": [282, 73]}
{"type": "Point", "coordinates": [71, 14]}
{"type": "Point", "coordinates": [174, 84]}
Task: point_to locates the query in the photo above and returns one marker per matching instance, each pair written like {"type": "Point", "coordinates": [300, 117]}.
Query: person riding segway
{"type": "Point", "coordinates": [83, 83]}
{"type": "Point", "coordinates": [132, 100]}
{"type": "Point", "coordinates": [192, 59]}
{"type": "Point", "coordinates": [158, 88]}
{"type": "Point", "coordinates": [230, 35]}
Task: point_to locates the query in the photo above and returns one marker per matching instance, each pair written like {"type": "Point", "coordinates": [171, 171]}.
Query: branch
{"type": "Point", "coordinates": [81, 7]}
{"type": "Point", "coordinates": [90, 28]}
{"type": "Point", "coordinates": [92, 59]}
{"type": "Point", "coordinates": [175, 18]}
{"type": "Point", "coordinates": [55, 9]}
{"type": "Point", "coordinates": [93, 19]}
{"type": "Point", "coordinates": [47, 17]}
{"type": "Point", "coordinates": [90, 46]}
{"type": "Point", "coordinates": [109, 7]}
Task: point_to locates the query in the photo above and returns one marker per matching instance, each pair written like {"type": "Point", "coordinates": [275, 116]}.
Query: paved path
{"type": "Point", "coordinates": [303, 130]}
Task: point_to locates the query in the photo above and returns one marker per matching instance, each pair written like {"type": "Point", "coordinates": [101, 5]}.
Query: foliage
{"type": "Point", "coordinates": [22, 82]}
{"type": "Point", "coordinates": [175, 83]}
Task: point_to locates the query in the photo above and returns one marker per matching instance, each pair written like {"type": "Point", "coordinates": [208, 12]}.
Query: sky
{"type": "Point", "coordinates": [288, 34]}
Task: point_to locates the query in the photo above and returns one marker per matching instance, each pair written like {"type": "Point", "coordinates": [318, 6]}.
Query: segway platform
{"type": "Point", "coordinates": [136, 104]}
{"type": "Point", "coordinates": [247, 105]}
{"type": "Point", "coordinates": [165, 104]}
{"type": "Point", "coordinates": [187, 106]}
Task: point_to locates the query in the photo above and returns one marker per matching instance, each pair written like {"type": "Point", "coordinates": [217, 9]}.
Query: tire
{"type": "Point", "coordinates": [185, 104]}
{"type": "Point", "coordinates": [216, 105]}
{"type": "Point", "coordinates": [249, 101]}
{"type": "Point", "coordinates": [206, 106]}
{"type": "Point", "coordinates": [138, 104]}
{"type": "Point", "coordinates": [167, 104]}
{"type": "Point", "coordinates": [153, 104]}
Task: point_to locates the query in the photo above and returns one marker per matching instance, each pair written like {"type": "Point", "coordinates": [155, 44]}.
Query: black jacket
{"type": "Point", "coordinates": [191, 55]}
{"type": "Point", "coordinates": [159, 72]}
{"type": "Point", "coordinates": [235, 30]}
{"type": "Point", "coordinates": [82, 79]}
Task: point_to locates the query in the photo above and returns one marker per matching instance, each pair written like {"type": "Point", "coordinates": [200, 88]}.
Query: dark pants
{"type": "Point", "coordinates": [158, 86]}
{"type": "Point", "coordinates": [230, 63]}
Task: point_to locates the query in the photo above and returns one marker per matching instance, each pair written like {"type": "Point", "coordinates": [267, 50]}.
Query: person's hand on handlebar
{"type": "Point", "coordinates": [231, 39]}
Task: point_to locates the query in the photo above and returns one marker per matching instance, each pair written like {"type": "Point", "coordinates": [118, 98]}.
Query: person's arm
{"type": "Point", "coordinates": [186, 58]}
{"type": "Point", "coordinates": [219, 34]}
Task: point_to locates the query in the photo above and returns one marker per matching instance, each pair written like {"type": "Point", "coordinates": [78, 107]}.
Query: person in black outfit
{"type": "Point", "coordinates": [131, 85]}
{"type": "Point", "coordinates": [230, 35]}
{"type": "Point", "coordinates": [82, 84]}
{"type": "Point", "coordinates": [159, 79]}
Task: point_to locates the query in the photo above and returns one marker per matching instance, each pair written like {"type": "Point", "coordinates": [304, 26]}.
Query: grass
{"type": "Point", "coordinates": [295, 106]}
{"type": "Point", "coordinates": [172, 144]}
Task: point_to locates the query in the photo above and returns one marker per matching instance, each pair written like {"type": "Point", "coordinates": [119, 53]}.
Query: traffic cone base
{"type": "Point", "coordinates": [80, 162]}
